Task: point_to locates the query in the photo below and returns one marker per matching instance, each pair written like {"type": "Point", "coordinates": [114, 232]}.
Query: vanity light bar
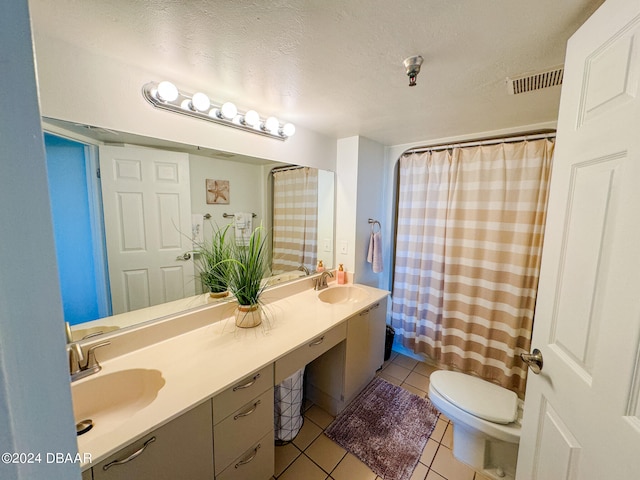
{"type": "Point", "coordinates": [165, 95]}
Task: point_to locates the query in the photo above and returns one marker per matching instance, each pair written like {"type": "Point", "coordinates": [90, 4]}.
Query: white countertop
{"type": "Point", "coordinates": [201, 363]}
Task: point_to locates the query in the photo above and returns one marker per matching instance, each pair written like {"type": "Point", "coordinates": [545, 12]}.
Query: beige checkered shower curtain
{"type": "Point", "coordinates": [469, 240]}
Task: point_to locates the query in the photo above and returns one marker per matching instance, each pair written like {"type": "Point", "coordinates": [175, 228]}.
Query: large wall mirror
{"type": "Point", "coordinates": [130, 211]}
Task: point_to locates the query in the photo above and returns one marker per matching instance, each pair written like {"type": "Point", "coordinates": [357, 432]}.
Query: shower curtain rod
{"type": "Point", "coordinates": [488, 141]}
{"type": "Point", "coordinates": [288, 167]}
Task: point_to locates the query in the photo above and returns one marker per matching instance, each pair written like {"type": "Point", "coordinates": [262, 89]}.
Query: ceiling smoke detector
{"type": "Point", "coordinates": [412, 66]}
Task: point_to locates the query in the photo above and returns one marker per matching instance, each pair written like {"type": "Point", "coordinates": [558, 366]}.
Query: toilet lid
{"type": "Point", "coordinates": [476, 396]}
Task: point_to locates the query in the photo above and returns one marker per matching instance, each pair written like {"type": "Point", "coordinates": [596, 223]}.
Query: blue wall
{"type": "Point", "coordinates": [72, 228]}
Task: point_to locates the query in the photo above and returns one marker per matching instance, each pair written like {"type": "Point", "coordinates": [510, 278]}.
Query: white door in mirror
{"type": "Point", "coordinates": [147, 215]}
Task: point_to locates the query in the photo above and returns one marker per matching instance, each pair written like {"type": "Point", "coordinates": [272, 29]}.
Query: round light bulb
{"type": "Point", "coordinates": [167, 91]}
{"type": "Point", "coordinates": [288, 130]}
{"type": "Point", "coordinates": [228, 110]}
{"type": "Point", "coordinates": [186, 104]}
{"type": "Point", "coordinates": [200, 102]}
{"type": "Point", "coordinates": [271, 124]}
{"type": "Point", "coordinates": [251, 118]}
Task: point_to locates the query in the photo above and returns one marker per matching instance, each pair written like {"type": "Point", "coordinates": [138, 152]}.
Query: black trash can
{"type": "Point", "coordinates": [388, 342]}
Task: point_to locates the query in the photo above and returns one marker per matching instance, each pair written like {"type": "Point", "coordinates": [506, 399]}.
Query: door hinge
{"type": "Point", "coordinates": [98, 172]}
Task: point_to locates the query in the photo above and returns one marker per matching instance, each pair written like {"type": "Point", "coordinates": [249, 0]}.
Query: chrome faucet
{"type": "Point", "coordinates": [78, 369]}
{"type": "Point", "coordinates": [304, 269]}
{"type": "Point", "coordinates": [321, 281]}
{"type": "Point", "coordinates": [76, 357]}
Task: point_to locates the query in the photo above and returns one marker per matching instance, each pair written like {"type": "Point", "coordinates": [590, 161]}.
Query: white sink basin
{"type": "Point", "coordinates": [109, 400]}
{"type": "Point", "coordinates": [347, 294]}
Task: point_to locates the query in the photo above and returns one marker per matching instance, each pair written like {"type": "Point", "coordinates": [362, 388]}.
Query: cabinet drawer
{"type": "Point", "coordinates": [255, 464]}
{"type": "Point", "coordinates": [305, 354]}
{"type": "Point", "coordinates": [183, 448]}
{"type": "Point", "coordinates": [243, 428]}
{"type": "Point", "coordinates": [241, 393]}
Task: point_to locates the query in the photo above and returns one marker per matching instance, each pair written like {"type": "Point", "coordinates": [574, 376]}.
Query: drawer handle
{"type": "Point", "coordinates": [317, 342]}
{"type": "Point", "coordinates": [133, 456]}
{"type": "Point", "coordinates": [247, 460]}
{"type": "Point", "coordinates": [248, 384]}
{"type": "Point", "coordinates": [368, 310]}
{"type": "Point", "coordinates": [248, 412]}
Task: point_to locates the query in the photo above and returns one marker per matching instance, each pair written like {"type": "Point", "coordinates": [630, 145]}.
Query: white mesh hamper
{"type": "Point", "coordinates": [287, 406]}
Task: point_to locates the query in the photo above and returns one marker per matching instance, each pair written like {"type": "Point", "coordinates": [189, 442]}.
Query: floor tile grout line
{"type": "Point", "coordinates": [292, 461]}
{"type": "Point", "coordinates": [332, 470]}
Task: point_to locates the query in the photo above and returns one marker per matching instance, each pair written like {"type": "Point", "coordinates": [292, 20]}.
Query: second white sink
{"type": "Point", "coordinates": [346, 294]}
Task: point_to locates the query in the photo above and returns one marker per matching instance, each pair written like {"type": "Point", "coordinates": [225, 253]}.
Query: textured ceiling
{"type": "Point", "coordinates": [335, 66]}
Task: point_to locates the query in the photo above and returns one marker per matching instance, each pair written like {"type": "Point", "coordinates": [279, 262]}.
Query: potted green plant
{"type": "Point", "coordinates": [247, 270]}
{"type": "Point", "coordinates": [213, 262]}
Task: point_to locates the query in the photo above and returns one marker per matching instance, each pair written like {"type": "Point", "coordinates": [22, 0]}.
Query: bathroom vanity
{"type": "Point", "coordinates": [200, 391]}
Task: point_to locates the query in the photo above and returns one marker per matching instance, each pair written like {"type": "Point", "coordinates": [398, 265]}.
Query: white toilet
{"type": "Point", "coordinates": [486, 421]}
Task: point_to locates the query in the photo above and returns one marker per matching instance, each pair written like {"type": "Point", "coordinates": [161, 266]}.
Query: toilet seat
{"type": "Point", "coordinates": [476, 396]}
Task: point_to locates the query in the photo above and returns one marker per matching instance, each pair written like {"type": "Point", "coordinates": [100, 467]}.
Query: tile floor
{"type": "Point", "coordinates": [312, 456]}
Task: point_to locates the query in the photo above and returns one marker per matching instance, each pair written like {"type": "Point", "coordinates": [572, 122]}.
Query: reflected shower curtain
{"type": "Point", "coordinates": [469, 239]}
{"type": "Point", "coordinates": [295, 219]}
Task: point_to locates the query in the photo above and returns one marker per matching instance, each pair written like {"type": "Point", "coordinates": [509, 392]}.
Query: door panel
{"type": "Point", "coordinates": [558, 452]}
{"type": "Point", "coordinates": [589, 203]}
{"type": "Point", "coordinates": [131, 227]}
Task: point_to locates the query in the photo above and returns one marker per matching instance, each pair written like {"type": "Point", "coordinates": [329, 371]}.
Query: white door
{"type": "Point", "coordinates": [147, 214]}
{"type": "Point", "coordinates": [582, 412]}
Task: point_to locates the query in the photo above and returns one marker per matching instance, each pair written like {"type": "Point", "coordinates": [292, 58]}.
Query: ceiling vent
{"type": "Point", "coordinates": [535, 81]}
{"type": "Point", "coordinates": [91, 128]}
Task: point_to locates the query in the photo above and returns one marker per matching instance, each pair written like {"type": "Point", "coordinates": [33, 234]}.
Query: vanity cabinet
{"type": "Point", "coordinates": [335, 378]}
{"type": "Point", "coordinates": [231, 435]}
{"type": "Point", "coordinates": [301, 356]}
{"type": "Point", "coordinates": [243, 428]}
{"type": "Point", "coordinates": [183, 448]}
{"type": "Point", "coordinates": [364, 352]}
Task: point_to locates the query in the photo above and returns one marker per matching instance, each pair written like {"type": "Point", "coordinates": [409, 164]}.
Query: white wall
{"type": "Point", "coordinates": [360, 196]}
{"type": "Point", "coordinates": [35, 399]}
{"type": "Point", "coordinates": [246, 189]}
{"type": "Point", "coordinates": [78, 86]}
{"type": "Point", "coordinates": [370, 203]}
{"type": "Point", "coordinates": [346, 199]}
{"type": "Point", "coordinates": [326, 209]}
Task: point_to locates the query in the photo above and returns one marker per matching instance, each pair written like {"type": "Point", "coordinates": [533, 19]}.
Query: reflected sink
{"type": "Point", "coordinates": [109, 400]}
{"type": "Point", "coordinates": [284, 277]}
{"type": "Point", "coordinates": [348, 294]}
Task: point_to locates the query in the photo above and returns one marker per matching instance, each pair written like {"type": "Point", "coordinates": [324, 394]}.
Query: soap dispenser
{"type": "Point", "coordinates": [342, 275]}
{"type": "Point", "coordinates": [320, 267]}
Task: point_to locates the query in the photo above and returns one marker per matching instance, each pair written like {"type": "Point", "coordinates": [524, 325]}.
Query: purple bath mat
{"type": "Point", "coordinates": [386, 427]}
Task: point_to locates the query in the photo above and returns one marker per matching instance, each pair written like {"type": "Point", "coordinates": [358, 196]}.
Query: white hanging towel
{"type": "Point", "coordinates": [242, 222]}
{"type": "Point", "coordinates": [374, 257]}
